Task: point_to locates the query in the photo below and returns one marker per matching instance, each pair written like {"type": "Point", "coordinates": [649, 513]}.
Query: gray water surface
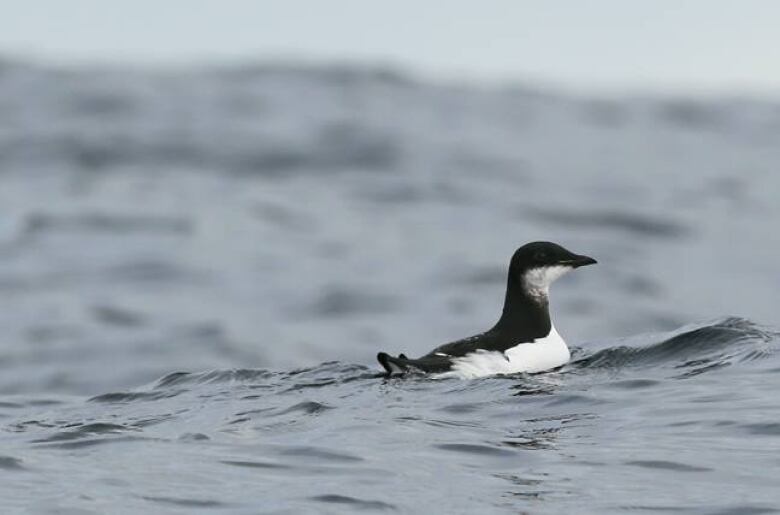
{"type": "Point", "coordinates": [646, 425]}
{"type": "Point", "coordinates": [198, 267]}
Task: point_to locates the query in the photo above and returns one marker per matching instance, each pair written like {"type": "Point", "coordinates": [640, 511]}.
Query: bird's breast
{"type": "Point", "coordinates": [543, 354]}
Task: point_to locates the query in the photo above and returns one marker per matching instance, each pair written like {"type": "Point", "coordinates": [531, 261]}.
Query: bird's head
{"type": "Point", "coordinates": [536, 265]}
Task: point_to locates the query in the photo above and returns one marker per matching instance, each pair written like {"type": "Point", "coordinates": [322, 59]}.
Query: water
{"type": "Point", "coordinates": [198, 267]}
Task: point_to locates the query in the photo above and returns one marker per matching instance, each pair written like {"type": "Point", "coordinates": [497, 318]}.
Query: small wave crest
{"type": "Point", "coordinates": [696, 349]}
{"type": "Point", "coordinates": [178, 383]}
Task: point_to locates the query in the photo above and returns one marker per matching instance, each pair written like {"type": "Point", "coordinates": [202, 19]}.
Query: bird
{"type": "Point", "coordinates": [523, 340]}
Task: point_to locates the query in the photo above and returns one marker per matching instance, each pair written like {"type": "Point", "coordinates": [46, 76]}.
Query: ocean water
{"type": "Point", "coordinates": [198, 266]}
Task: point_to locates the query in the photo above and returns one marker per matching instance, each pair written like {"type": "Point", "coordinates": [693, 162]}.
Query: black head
{"type": "Point", "coordinates": [544, 254]}
{"type": "Point", "coordinates": [533, 268]}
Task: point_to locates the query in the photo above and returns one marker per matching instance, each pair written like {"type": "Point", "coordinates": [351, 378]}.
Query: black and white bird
{"type": "Point", "coordinates": [523, 340]}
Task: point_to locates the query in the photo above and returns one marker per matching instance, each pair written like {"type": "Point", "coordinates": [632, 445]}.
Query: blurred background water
{"type": "Point", "coordinates": [242, 223]}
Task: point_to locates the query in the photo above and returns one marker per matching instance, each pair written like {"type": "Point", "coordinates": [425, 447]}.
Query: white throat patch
{"type": "Point", "coordinates": [538, 280]}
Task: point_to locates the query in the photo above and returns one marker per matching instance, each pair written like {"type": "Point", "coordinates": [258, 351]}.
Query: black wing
{"type": "Point", "coordinates": [489, 341]}
{"type": "Point", "coordinates": [440, 358]}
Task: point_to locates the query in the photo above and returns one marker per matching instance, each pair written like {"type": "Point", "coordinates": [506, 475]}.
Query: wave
{"type": "Point", "coordinates": [692, 349]}
{"type": "Point", "coordinates": [688, 351]}
{"type": "Point", "coordinates": [194, 406]}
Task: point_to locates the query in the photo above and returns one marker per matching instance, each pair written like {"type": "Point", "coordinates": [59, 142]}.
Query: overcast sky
{"type": "Point", "coordinates": [710, 45]}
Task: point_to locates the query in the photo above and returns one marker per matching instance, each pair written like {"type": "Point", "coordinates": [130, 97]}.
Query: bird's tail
{"type": "Point", "coordinates": [393, 365]}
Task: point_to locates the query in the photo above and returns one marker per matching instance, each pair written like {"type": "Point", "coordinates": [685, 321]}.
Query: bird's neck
{"type": "Point", "coordinates": [526, 311]}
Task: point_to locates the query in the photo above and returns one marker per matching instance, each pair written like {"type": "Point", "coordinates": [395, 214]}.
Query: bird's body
{"type": "Point", "coordinates": [542, 354]}
{"type": "Point", "coordinates": [523, 340]}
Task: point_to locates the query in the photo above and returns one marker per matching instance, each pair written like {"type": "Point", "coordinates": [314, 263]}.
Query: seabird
{"type": "Point", "coordinates": [523, 340]}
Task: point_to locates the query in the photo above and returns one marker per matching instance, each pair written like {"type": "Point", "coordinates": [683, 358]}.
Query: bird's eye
{"type": "Point", "coordinates": [540, 256]}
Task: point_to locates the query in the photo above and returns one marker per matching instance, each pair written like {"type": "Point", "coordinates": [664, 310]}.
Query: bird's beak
{"type": "Point", "coordinates": [578, 261]}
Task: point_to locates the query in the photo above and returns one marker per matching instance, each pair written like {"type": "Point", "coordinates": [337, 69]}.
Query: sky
{"type": "Point", "coordinates": [702, 45]}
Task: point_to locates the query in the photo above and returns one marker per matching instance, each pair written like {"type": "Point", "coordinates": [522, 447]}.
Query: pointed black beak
{"type": "Point", "coordinates": [578, 261]}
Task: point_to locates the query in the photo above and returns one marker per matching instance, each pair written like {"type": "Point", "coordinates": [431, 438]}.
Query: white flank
{"type": "Point", "coordinates": [543, 354]}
